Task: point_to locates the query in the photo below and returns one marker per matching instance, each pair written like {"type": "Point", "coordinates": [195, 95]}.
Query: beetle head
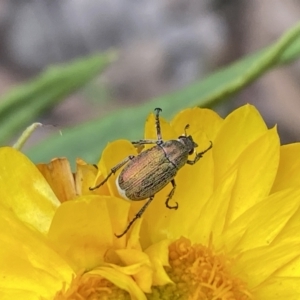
{"type": "Point", "coordinates": [188, 141]}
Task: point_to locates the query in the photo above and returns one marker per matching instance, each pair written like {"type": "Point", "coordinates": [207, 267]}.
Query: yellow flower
{"type": "Point", "coordinates": [54, 251]}
{"type": "Point", "coordinates": [235, 234]}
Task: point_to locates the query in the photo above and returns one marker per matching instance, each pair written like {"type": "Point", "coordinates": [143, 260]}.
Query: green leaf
{"type": "Point", "coordinates": [88, 140]}
{"type": "Point", "coordinates": [25, 103]}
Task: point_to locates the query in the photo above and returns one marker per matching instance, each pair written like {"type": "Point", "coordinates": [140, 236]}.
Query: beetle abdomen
{"type": "Point", "coordinates": [146, 174]}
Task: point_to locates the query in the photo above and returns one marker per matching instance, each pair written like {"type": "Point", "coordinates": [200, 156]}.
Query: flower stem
{"type": "Point", "coordinates": [25, 135]}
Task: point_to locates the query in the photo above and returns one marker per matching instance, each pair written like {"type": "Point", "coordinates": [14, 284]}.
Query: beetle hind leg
{"type": "Point", "coordinates": [137, 216]}
{"type": "Point", "coordinates": [112, 171]}
{"type": "Point", "coordinates": [171, 195]}
{"type": "Point", "coordinates": [158, 133]}
{"type": "Point", "coordinates": [143, 142]}
{"type": "Point", "coordinates": [157, 124]}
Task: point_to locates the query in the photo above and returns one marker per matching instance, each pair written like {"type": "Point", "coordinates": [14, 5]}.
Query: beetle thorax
{"type": "Point", "coordinates": [176, 152]}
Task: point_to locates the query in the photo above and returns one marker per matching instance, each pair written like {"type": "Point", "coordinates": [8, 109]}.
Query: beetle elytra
{"type": "Point", "coordinates": [150, 171]}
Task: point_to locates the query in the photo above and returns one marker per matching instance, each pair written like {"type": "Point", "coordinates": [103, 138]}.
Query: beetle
{"type": "Point", "coordinates": [150, 171]}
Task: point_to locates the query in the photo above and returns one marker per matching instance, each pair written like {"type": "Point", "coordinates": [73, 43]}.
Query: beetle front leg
{"type": "Point", "coordinates": [113, 171]}
{"type": "Point", "coordinates": [199, 155]}
{"type": "Point", "coordinates": [171, 195]}
{"type": "Point", "coordinates": [137, 216]}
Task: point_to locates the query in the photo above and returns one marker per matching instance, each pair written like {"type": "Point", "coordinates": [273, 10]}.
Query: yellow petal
{"type": "Point", "coordinates": [83, 230]}
{"type": "Point", "coordinates": [266, 222]}
{"type": "Point", "coordinates": [239, 129]}
{"type": "Point", "coordinates": [213, 218]}
{"type": "Point", "coordinates": [84, 177]}
{"type": "Point", "coordinates": [288, 174]}
{"type": "Point", "coordinates": [200, 120]}
{"type": "Point", "coordinates": [282, 288]}
{"type": "Point", "coordinates": [59, 176]}
{"type": "Point", "coordinates": [133, 238]}
{"type": "Point", "coordinates": [256, 166]}
{"type": "Point", "coordinates": [195, 179]}
{"type": "Point", "coordinates": [194, 186]}
{"type": "Point", "coordinates": [121, 280]}
{"type": "Point", "coordinates": [9, 293]}
{"type": "Point", "coordinates": [138, 260]}
{"type": "Point", "coordinates": [250, 266]}
{"type": "Point", "coordinates": [28, 264]}
{"type": "Point", "coordinates": [25, 191]}
{"type": "Point", "coordinates": [167, 131]}
{"type": "Point", "coordinates": [112, 155]}
{"type": "Point", "coordinates": [159, 257]}
{"type": "Point", "coordinates": [190, 181]}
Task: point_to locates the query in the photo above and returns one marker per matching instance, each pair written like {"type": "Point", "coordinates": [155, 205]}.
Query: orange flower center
{"type": "Point", "coordinates": [91, 287]}
{"type": "Point", "coordinates": [199, 273]}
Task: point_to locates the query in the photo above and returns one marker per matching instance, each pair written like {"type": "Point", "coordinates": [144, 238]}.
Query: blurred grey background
{"type": "Point", "coordinates": [163, 45]}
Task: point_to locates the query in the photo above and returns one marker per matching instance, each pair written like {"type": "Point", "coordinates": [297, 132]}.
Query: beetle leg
{"type": "Point", "coordinates": [140, 144]}
{"type": "Point", "coordinates": [158, 132]}
{"type": "Point", "coordinates": [171, 195]}
{"type": "Point", "coordinates": [113, 171]}
{"type": "Point", "coordinates": [144, 142]}
{"type": "Point", "coordinates": [199, 155]}
{"type": "Point", "coordinates": [157, 124]}
{"type": "Point", "coordinates": [138, 215]}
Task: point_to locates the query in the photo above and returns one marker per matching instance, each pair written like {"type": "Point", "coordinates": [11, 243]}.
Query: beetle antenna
{"type": "Point", "coordinates": [187, 126]}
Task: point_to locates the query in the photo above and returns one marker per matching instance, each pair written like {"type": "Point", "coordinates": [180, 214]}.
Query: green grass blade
{"type": "Point", "coordinates": [25, 103]}
{"type": "Point", "coordinates": [89, 139]}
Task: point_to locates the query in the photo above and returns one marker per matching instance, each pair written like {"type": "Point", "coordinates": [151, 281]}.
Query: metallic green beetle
{"type": "Point", "coordinates": [151, 170]}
